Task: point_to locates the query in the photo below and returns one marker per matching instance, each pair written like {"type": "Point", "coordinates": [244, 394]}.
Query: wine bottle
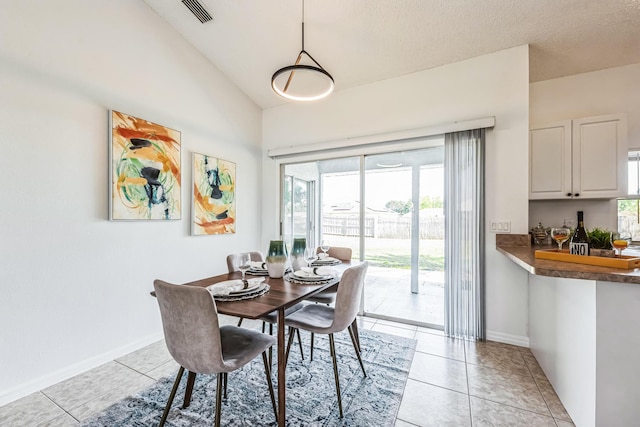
{"type": "Point", "coordinates": [580, 240]}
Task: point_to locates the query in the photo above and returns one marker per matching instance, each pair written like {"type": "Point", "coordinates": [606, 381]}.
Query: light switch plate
{"type": "Point", "coordinates": [501, 226]}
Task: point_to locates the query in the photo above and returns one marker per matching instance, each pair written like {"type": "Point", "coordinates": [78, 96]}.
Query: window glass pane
{"type": "Point", "coordinates": [629, 209]}
{"type": "Point", "coordinates": [634, 171]}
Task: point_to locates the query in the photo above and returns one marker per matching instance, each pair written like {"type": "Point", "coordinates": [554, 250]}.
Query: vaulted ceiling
{"type": "Point", "coordinates": [363, 41]}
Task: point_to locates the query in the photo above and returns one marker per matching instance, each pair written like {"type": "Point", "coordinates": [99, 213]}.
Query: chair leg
{"type": "Point", "coordinates": [267, 370]}
{"type": "Point", "coordinates": [224, 387]}
{"type": "Point", "coordinates": [187, 393]}
{"type": "Point", "coordinates": [171, 396]}
{"type": "Point", "coordinates": [354, 328]}
{"type": "Point", "coordinates": [312, 337]}
{"type": "Point", "coordinates": [356, 347]}
{"type": "Point", "coordinates": [240, 321]}
{"type": "Point", "coordinates": [332, 347]}
{"type": "Point", "coordinates": [300, 343]}
{"type": "Point", "coordinates": [218, 400]}
{"type": "Point", "coordinates": [289, 342]}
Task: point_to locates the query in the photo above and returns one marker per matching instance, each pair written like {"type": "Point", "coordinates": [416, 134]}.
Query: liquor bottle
{"type": "Point", "coordinates": [579, 241]}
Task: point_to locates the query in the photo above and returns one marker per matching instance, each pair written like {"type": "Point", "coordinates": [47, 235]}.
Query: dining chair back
{"type": "Point", "coordinates": [199, 344]}
{"type": "Point", "coordinates": [341, 253]}
{"type": "Point", "coordinates": [233, 260]}
{"type": "Point", "coordinates": [348, 296]}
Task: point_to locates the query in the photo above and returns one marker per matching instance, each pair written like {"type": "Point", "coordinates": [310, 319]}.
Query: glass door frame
{"type": "Point", "coordinates": [311, 214]}
{"type": "Point", "coordinates": [360, 152]}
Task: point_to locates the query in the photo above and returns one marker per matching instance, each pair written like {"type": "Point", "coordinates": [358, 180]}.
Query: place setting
{"type": "Point", "coordinates": [313, 275]}
{"type": "Point", "coordinates": [238, 289]}
{"type": "Point", "coordinates": [258, 268]}
{"type": "Point", "coordinates": [323, 259]}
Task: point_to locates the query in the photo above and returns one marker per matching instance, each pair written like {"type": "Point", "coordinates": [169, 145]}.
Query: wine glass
{"type": "Point", "coordinates": [620, 241]}
{"type": "Point", "coordinates": [244, 264]}
{"type": "Point", "coordinates": [310, 256]}
{"type": "Point", "coordinates": [325, 248]}
{"type": "Point", "coordinates": [560, 235]}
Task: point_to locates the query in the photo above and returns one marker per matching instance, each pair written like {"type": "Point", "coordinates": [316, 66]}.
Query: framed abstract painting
{"type": "Point", "coordinates": [145, 170]}
{"type": "Point", "coordinates": [214, 196]}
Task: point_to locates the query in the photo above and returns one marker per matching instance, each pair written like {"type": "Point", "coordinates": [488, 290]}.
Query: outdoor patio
{"type": "Point", "coordinates": [388, 293]}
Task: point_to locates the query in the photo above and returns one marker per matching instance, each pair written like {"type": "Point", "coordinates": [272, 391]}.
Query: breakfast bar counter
{"type": "Point", "coordinates": [524, 256]}
{"type": "Point", "coordinates": [583, 331]}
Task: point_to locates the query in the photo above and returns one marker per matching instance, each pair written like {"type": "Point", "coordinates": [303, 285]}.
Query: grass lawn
{"type": "Point", "coordinates": [395, 253]}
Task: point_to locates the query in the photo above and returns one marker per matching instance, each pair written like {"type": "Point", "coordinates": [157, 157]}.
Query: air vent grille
{"type": "Point", "coordinates": [198, 10]}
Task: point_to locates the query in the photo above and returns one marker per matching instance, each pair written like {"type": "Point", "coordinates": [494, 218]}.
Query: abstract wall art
{"type": "Point", "coordinates": [145, 170]}
{"type": "Point", "coordinates": [214, 196]}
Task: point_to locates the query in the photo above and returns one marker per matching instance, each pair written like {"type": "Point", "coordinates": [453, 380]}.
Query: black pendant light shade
{"type": "Point", "coordinates": [303, 81]}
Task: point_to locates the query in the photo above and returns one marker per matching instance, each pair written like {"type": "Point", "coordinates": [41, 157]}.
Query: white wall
{"type": "Point", "coordinates": [490, 85]}
{"type": "Point", "coordinates": [616, 90]}
{"type": "Point", "coordinates": [74, 287]}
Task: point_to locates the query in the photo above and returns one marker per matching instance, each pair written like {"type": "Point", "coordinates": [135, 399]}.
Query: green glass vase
{"type": "Point", "coordinates": [297, 254]}
{"type": "Point", "coordinates": [277, 258]}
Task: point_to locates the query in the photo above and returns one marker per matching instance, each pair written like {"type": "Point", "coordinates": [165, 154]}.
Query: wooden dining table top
{"type": "Point", "coordinates": [282, 294]}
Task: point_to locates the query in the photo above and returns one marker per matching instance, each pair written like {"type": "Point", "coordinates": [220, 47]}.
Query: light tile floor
{"type": "Point", "coordinates": [451, 383]}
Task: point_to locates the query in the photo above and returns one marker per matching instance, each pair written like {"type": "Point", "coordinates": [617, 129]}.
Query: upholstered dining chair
{"type": "Point", "coordinates": [323, 319]}
{"type": "Point", "coordinates": [328, 296]}
{"type": "Point", "coordinates": [199, 344]}
{"type": "Point", "coordinates": [233, 261]}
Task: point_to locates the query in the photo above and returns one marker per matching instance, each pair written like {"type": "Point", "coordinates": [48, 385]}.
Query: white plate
{"type": "Point", "coordinates": [310, 277]}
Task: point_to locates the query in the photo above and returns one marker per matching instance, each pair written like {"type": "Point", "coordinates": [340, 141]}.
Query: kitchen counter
{"type": "Point", "coordinates": [524, 256]}
{"type": "Point", "coordinates": [583, 332]}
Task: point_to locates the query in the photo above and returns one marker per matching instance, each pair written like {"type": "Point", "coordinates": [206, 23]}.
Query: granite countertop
{"type": "Point", "coordinates": [518, 249]}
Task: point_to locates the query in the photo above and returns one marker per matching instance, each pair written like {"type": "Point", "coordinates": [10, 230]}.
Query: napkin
{"type": "Point", "coordinates": [258, 265]}
{"type": "Point", "coordinates": [225, 288]}
{"type": "Point", "coordinates": [316, 272]}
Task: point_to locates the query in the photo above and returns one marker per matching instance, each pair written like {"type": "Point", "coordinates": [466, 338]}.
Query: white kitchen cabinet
{"type": "Point", "coordinates": [582, 158]}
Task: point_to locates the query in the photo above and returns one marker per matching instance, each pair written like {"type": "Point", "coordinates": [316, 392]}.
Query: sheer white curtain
{"type": "Point", "coordinates": [464, 235]}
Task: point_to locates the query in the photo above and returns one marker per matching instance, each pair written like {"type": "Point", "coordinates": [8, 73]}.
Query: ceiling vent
{"type": "Point", "coordinates": [198, 10]}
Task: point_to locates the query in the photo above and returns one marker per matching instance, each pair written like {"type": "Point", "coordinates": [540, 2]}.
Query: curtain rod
{"type": "Point", "coordinates": [350, 142]}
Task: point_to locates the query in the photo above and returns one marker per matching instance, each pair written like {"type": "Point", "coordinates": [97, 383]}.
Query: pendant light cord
{"type": "Point", "coordinates": [303, 25]}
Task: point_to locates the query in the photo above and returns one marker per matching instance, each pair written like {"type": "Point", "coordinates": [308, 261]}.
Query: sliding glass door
{"type": "Point", "coordinates": [388, 208]}
{"type": "Point", "coordinates": [404, 243]}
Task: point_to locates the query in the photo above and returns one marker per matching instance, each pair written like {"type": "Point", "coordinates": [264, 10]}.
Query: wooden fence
{"type": "Point", "coordinates": [385, 227]}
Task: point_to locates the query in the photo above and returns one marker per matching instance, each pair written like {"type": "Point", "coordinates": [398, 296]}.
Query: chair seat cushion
{"type": "Point", "coordinates": [314, 318]}
{"type": "Point", "coordinates": [240, 346]}
{"type": "Point", "coordinates": [324, 297]}
{"type": "Point", "coordinates": [273, 316]}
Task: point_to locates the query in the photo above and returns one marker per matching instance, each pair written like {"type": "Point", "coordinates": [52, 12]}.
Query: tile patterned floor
{"type": "Point", "coordinates": [451, 383]}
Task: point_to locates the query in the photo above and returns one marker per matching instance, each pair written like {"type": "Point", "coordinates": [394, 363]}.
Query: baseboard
{"type": "Point", "coordinates": [37, 384]}
{"type": "Point", "coordinates": [518, 340]}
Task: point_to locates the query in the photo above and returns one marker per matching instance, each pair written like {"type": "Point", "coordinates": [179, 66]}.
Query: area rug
{"type": "Point", "coordinates": [311, 393]}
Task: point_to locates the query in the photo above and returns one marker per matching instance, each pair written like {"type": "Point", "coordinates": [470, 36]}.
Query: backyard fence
{"type": "Point", "coordinates": [385, 227]}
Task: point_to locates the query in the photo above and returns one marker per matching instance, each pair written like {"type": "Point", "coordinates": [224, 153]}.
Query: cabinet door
{"type": "Point", "coordinates": [550, 161]}
{"type": "Point", "coordinates": [600, 157]}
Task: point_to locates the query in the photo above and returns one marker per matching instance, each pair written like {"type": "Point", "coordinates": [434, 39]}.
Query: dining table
{"type": "Point", "coordinates": [282, 294]}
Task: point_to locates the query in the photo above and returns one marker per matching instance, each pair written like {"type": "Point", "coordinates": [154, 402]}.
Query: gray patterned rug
{"type": "Point", "coordinates": [311, 394]}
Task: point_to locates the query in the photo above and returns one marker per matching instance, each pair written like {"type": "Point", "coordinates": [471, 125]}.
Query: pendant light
{"type": "Point", "coordinates": [302, 82]}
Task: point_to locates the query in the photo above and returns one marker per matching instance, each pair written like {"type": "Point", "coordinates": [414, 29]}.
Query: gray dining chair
{"type": "Point", "coordinates": [233, 261]}
{"type": "Point", "coordinates": [199, 344]}
{"type": "Point", "coordinates": [323, 319]}
{"type": "Point", "coordinates": [328, 296]}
